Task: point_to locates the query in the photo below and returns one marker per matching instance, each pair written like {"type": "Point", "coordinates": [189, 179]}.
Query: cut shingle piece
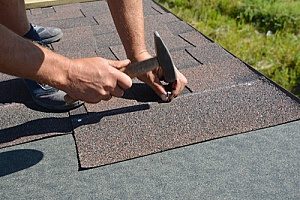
{"type": "Point", "coordinates": [186, 120]}
{"type": "Point", "coordinates": [215, 76]}
{"type": "Point", "coordinates": [210, 53]}
{"type": "Point", "coordinates": [22, 124]}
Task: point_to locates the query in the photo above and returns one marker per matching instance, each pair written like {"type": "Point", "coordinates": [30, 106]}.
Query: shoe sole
{"type": "Point", "coordinates": [52, 39]}
{"type": "Point", "coordinates": [54, 108]}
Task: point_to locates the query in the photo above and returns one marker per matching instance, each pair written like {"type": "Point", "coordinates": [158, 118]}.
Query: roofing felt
{"type": "Point", "coordinates": [263, 164]}
{"type": "Point", "coordinates": [224, 96]}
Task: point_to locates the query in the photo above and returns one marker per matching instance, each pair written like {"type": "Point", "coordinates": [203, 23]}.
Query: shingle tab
{"type": "Point", "coordinates": [106, 40]}
{"type": "Point", "coordinates": [195, 38]}
{"type": "Point", "coordinates": [183, 60]}
{"type": "Point", "coordinates": [179, 27]}
{"type": "Point", "coordinates": [210, 53]}
{"type": "Point", "coordinates": [213, 76]}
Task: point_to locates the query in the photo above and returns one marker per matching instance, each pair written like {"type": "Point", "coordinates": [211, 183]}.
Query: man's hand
{"type": "Point", "coordinates": [96, 79]}
{"type": "Point", "coordinates": [153, 79]}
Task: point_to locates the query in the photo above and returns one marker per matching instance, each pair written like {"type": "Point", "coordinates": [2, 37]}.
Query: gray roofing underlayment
{"type": "Point", "coordinates": [224, 97]}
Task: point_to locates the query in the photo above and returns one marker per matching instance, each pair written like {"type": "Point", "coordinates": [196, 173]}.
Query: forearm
{"type": "Point", "coordinates": [129, 20]}
{"type": "Point", "coordinates": [22, 58]}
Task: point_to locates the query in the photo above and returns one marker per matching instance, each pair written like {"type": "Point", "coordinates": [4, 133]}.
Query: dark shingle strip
{"type": "Point", "coordinates": [186, 120]}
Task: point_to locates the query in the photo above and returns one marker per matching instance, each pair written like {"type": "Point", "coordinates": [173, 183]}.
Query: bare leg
{"type": "Point", "coordinates": [13, 16]}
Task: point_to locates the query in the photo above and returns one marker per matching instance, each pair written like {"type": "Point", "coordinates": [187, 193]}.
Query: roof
{"type": "Point", "coordinates": [224, 97]}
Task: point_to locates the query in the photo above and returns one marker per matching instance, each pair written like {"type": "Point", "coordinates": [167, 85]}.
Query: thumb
{"type": "Point", "coordinates": [120, 65]}
{"type": "Point", "coordinates": [159, 89]}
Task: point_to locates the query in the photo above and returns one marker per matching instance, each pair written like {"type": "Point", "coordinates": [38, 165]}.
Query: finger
{"type": "Point", "coordinates": [120, 65]}
{"type": "Point", "coordinates": [117, 92]}
{"type": "Point", "coordinates": [176, 89]}
{"type": "Point", "coordinates": [123, 80]}
{"type": "Point", "coordinates": [179, 85]}
{"type": "Point", "coordinates": [158, 88]}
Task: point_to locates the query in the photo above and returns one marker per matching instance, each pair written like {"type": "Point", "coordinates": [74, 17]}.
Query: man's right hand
{"type": "Point", "coordinates": [95, 79]}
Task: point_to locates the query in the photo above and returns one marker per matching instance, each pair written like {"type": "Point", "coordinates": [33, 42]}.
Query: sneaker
{"type": "Point", "coordinates": [49, 97]}
{"type": "Point", "coordinates": [45, 95]}
{"type": "Point", "coordinates": [48, 35]}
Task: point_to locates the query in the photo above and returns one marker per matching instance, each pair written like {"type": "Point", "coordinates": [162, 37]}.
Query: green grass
{"type": "Point", "coordinates": [241, 27]}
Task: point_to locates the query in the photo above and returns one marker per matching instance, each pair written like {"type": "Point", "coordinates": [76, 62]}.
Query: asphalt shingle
{"type": "Point", "coordinates": [105, 138]}
{"type": "Point", "coordinates": [210, 53]}
{"type": "Point", "coordinates": [228, 96]}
